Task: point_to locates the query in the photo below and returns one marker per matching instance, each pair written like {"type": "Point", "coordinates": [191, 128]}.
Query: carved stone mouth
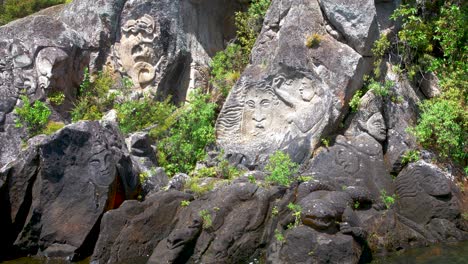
{"type": "Point", "coordinates": [141, 53]}
{"type": "Point", "coordinates": [259, 126]}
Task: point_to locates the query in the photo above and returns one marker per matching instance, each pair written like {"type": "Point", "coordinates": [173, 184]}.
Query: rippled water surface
{"type": "Point", "coordinates": [456, 253]}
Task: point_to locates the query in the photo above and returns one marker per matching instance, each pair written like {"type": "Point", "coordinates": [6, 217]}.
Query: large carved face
{"type": "Point", "coordinates": [135, 50]}
{"type": "Point", "coordinates": [101, 165]}
{"type": "Point", "coordinates": [258, 111]}
{"type": "Point", "coordinates": [376, 127]}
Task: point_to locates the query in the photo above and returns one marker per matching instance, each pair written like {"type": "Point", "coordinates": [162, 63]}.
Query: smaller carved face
{"type": "Point", "coordinates": [100, 165]}
{"type": "Point", "coordinates": [376, 127]}
{"type": "Point", "coordinates": [258, 111]}
{"type": "Point", "coordinates": [348, 160]}
{"type": "Point", "coordinates": [306, 90]}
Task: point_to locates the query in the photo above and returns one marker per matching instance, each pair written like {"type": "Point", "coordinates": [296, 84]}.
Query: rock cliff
{"type": "Point", "coordinates": [74, 194]}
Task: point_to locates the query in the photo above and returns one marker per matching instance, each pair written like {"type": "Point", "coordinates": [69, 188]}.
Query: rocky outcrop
{"type": "Point", "coordinates": [55, 195]}
{"type": "Point", "coordinates": [39, 56]}
{"type": "Point", "coordinates": [71, 195]}
{"type": "Point", "coordinates": [291, 95]}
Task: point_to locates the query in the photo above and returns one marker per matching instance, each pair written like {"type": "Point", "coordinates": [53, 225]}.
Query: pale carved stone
{"type": "Point", "coordinates": [274, 113]}
{"type": "Point", "coordinates": [135, 52]}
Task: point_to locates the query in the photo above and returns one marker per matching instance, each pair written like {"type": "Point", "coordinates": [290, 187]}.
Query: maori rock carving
{"type": "Point", "coordinates": [424, 193]}
{"type": "Point", "coordinates": [277, 112]}
{"type": "Point", "coordinates": [135, 51]}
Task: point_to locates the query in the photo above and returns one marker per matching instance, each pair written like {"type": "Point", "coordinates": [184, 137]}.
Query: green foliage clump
{"type": "Point", "coordinates": [93, 97]}
{"type": "Point", "coordinates": [226, 68]}
{"type": "Point", "coordinates": [14, 9]}
{"type": "Point", "coordinates": [206, 217]}
{"type": "Point", "coordinates": [57, 98]}
{"type": "Point", "coordinates": [184, 203]}
{"type": "Point", "coordinates": [409, 156]}
{"type": "Point", "coordinates": [279, 236]}
{"type": "Point", "coordinates": [440, 128]}
{"type": "Point", "coordinates": [313, 40]}
{"type": "Point", "coordinates": [135, 115]}
{"type": "Point", "coordinates": [33, 116]}
{"type": "Point", "coordinates": [388, 200]}
{"type": "Point", "coordinates": [228, 64]}
{"type": "Point", "coordinates": [297, 210]}
{"type": "Point", "coordinates": [281, 169]}
{"type": "Point", "coordinates": [195, 186]}
{"type": "Point", "coordinates": [52, 127]}
{"type": "Point", "coordinates": [434, 38]}
{"type": "Point", "coordinates": [356, 100]}
{"type": "Point", "coordinates": [249, 24]}
{"type": "Point", "coordinates": [183, 144]}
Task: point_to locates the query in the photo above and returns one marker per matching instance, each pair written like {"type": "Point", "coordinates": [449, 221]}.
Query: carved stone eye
{"type": "Point", "coordinates": [265, 103]}
{"type": "Point", "coordinates": [251, 104]}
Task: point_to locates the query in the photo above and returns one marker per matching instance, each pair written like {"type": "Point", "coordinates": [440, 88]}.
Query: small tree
{"type": "Point", "coordinates": [33, 116]}
{"type": "Point", "coordinates": [281, 169]}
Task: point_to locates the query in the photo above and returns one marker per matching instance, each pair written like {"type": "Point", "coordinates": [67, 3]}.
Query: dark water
{"type": "Point", "coordinates": [42, 261]}
{"type": "Point", "coordinates": [455, 253]}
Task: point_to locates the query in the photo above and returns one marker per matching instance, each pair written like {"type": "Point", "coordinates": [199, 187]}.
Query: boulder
{"type": "Point", "coordinates": [131, 233]}
{"type": "Point", "coordinates": [355, 20]}
{"type": "Point", "coordinates": [84, 172]}
{"type": "Point", "coordinates": [226, 225]}
{"type": "Point", "coordinates": [305, 245]}
{"type": "Point", "coordinates": [39, 56]}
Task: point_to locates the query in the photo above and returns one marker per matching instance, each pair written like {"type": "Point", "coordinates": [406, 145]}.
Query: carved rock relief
{"type": "Point", "coordinates": [424, 193]}
{"type": "Point", "coordinates": [135, 53]}
{"type": "Point", "coordinates": [275, 112]}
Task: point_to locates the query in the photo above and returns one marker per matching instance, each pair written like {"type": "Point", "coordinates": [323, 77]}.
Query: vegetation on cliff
{"type": "Point", "coordinates": [434, 39]}
{"type": "Point", "coordinates": [14, 9]}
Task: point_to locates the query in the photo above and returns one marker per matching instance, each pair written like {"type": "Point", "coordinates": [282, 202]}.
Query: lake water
{"type": "Point", "coordinates": [454, 253]}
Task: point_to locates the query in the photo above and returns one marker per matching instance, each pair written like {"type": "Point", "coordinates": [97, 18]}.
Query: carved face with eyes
{"type": "Point", "coordinates": [101, 165]}
{"type": "Point", "coordinates": [306, 90]}
{"type": "Point", "coordinates": [376, 127]}
{"type": "Point", "coordinates": [258, 111]}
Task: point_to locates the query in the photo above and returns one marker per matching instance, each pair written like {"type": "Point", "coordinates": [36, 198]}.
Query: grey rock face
{"type": "Point", "coordinates": [356, 20]}
{"type": "Point", "coordinates": [39, 56]}
{"type": "Point", "coordinates": [425, 193]}
{"type": "Point", "coordinates": [291, 95]}
{"type": "Point", "coordinates": [67, 181]}
{"type": "Point", "coordinates": [125, 230]}
{"type": "Point", "coordinates": [157, 42]}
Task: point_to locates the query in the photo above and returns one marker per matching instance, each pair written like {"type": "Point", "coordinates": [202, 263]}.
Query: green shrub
{"type": "Point", "coordinates": [184, 203]}
{"type": "Point", "coordinates": [33, 116]}
{"type": "Point", "coordinates": [409, 156]}
{"type": "Point", "coordinates": [226, 67]}
{"type": "Point", "coordinates": [93, 97]}
{"type": "Point", "coordinates": [135, 115]}
{"type": "Point", "coordinates": [281, 169]}
{"type": "Point", "coordinates": [313, 40]}
{"type": "Point", "coordinates": [443, 126]}
{"type": "Point", "coordinates": [14, 9]}
{"type": "Point", "coordinates": [57, 98]}
{"type": "Point", "coordinates": [52, 127]}
{"type": "Point", "coordinates": [206, 218]}
{"type": "Point", "coordinates": [183, 144]}
{"type": "Point", "coordinates": [195, 186]}
{"type": "Point", "coordinates": [356, 100]}
{"type": "Point", "coordinates": [387, 199]}
{"type": "Point", "coordinates": [297, 210]}
{"type": "Point", "coordinates": [279, 236]}
{"type": "Point", "coordinates": [228, 64]}
{"type": "Point", "coordinates": [250, 23]}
